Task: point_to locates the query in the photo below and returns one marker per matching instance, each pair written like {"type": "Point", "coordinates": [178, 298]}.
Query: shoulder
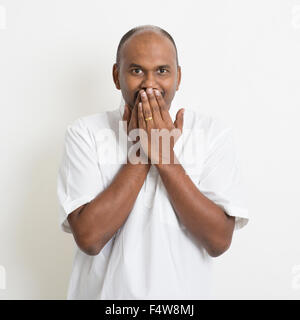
{"type": "Point", "coordinates": [213, 127]}
{"type": "Point", "coordinates": [84, 129]}
{"type": "Point", "coordinates": [95, 120]}
{"type": "Point", "coordinates": [92, 123]}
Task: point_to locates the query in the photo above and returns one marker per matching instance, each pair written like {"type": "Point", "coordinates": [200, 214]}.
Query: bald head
{"type": "Point", "coordinates": [144, 32]}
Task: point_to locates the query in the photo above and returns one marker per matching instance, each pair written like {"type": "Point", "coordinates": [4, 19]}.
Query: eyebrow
{"type": "Point", "coordinates": [134, 65]}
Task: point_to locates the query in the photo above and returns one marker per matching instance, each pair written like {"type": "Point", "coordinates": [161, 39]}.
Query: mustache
{"type": "Point", "coordinates": [137, 93]}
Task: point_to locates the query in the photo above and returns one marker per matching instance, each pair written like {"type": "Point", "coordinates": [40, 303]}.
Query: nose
{"type": "Point", "coordinates": [149, 81]}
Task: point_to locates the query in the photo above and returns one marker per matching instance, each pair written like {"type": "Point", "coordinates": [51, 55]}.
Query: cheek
{"type": "Point", "coordinates": [124, 83]}
{"type": "Point", "coordinates": [129, 81]}
{"type": "Point", "coordinates": [169, 94]}
{"type": "Point", "coordinates": [170, 85]}
{"type": "Point", "coordinates": [128, 87]}
{"type": "Point", "coordinates": [170, 89]}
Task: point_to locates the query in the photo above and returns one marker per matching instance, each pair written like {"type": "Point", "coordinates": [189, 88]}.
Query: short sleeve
{"type": "Point", "coordinates": [221, 178]}
{"type": "Point", "coordinates": [79, 177]}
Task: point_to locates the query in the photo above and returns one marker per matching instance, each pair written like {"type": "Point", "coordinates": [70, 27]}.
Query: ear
{"type": "Point", "coordinates": [178, 77]}
{"type": "Point", "coordinates": [115, 74]}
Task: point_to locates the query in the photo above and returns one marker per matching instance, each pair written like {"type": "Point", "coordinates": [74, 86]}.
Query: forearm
{"type": "Point", "coordinates": [104, 215]}
{"type": "Point", "coordinates": [206, 221]}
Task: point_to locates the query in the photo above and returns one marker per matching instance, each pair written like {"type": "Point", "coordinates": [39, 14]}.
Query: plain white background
{"type": "Point", "coordinates": [240, 62]}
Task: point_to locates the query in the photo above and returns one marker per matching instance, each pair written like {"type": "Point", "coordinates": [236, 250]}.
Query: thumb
{"type": "Point", "coordinates": [178, 123]}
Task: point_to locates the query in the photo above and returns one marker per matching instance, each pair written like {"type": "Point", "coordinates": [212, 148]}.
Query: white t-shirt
{"type": "Point", "coordinates": [152, 256]}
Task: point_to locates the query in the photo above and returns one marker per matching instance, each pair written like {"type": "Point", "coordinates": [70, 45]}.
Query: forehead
{"type": "Point", "coordinates": [148, 48]}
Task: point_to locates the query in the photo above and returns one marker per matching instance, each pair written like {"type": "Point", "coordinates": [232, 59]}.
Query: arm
{"type": "Point", "coordinates": [95, 223]}
{"type": "Point", "coordinates": [206, 221]}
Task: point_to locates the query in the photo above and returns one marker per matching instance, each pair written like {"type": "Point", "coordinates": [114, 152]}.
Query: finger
{"type": "Point", "coordinates": [127, 113]}
{"type": "Point", "coordinates": [163, 107]}
{"type": "Point", "coordinates": [126, 117]}
{"type": "Point", "coordinates": [146, 109]}
{"type": "Point", "coordinates": [178, 123]}
{"type": "Point", "coordinates": [141, 119]}
{"type": "Point", "coordinates": [154, 106]}
{"type": "Point", "coordinates": [134, 113]}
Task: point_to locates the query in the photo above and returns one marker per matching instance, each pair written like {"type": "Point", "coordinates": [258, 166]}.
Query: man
{"type": "Point", "coordinates": [148, 230]}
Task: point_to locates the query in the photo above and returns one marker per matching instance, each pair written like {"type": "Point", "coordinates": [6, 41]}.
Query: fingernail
{"type": "Point", "coordinates": [156, 92]}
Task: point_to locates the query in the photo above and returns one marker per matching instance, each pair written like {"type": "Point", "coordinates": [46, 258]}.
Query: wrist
{"type": "Point", "coordinates": [167, 161]}
{"type": "Point", "coordinates": [142, 167]}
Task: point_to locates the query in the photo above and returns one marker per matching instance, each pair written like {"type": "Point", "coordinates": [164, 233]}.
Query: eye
{"type": "Point", "coordinates": [135, 71]}
{"type": "Point", "coordinates": [163, 70]}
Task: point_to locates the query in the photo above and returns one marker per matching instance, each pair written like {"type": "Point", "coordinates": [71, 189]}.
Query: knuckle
{"type": "Point", "coordinates": [159, 97]}
{"type": "Point", "coordinates": [155, 108]}
{"type": "Point", "coordinates": [151, 98]}
{"type": "Point", "coordinates": [164, 107]}
{"type": "Point", "coordinates": [148, 113]}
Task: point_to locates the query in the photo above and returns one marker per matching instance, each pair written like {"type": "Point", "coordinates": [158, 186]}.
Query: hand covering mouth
{"type": "Point", "coordinates": [137, 93]}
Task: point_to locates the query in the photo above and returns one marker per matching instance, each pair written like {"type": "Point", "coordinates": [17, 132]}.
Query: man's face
{"type": "Point", "coordinates": [147, 60]}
